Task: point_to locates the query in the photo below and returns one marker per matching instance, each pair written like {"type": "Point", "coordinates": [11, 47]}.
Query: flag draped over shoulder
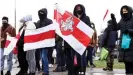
{"type": "Point", "coordinates": [75, 32]}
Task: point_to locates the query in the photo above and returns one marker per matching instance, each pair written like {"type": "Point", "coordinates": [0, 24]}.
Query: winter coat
{"type": "Point", "coordinates": [126, 24]}
{"type": "Point", "coordinates": [3, 34]}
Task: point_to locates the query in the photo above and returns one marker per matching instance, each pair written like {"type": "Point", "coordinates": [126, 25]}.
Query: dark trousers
{"type": "Point", "coordinates": [22, 60]}
{"type": "Point", "coordinates": [37, 56]}
{"type": "Point", "coordinates": [50, 58]}
{"type": "Point", "coordinates": [110, 59]}
{"type": "Point", "coordinates": [60, 55]}
{"type": "Point", "coordinates": [74, 70]}
{"type": "Point", "coordinates": [90, 55]}
{"type": "Point", "coordinates": [129, 68]}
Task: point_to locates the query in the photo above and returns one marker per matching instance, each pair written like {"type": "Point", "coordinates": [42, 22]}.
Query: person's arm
{"type": "Point", "coordinates": [88, 21]}
{"type": "Point", "coordinates": [11, 31]}
{"type": "Point", "coordinates": [115, 24]}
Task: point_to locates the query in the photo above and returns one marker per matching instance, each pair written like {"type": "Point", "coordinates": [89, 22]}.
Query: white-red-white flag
{"type": "Point", "coordinates": [75, 32]}
{"type": "Point", "coordinates": [10, 43]}
{"type": "Point", "coordinates": [39, 38]}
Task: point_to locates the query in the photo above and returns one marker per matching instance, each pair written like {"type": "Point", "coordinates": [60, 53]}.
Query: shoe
{"type": "Point", "coordinates": [1, 72]}
{"type": "Point", "coordinates": [51, 66]}
{"type": "Point", "coordinates": [58, 69]}
{"type": "Point", "coordinates": [8, 73]}
{"type": "Point", "coordinates": [63, 68]}
{"type": "Point", "coordinates": [107, 69]}
{"type": "Point", "coordinates": [92, 66]}
{"type": "Point", "coordinates": [45, 74]}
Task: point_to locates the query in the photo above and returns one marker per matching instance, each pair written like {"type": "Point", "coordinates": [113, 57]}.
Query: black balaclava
{"type": "Point", "coordinates": [126, 16]}
{"type": "Point", "coordinates": [42, 14]}
{"type": "Point", "coordinates": [5, 22]}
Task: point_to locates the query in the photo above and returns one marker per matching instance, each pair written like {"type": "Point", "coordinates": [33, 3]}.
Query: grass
{"type": "Point", "coordinates": [102, 64]}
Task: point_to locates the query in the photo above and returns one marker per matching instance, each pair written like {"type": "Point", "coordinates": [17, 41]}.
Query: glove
{"type": "Point", "coordinates": [112, 16]}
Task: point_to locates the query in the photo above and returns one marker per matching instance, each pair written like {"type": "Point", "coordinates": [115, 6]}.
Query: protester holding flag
{"type": "Point", "coordinates": [126, 27]}
{"type": "Point", "coordinates": [21, 53]}
{"type": "Point", "coordinates": [80, 67]}
{"type": "Point", "coordinates": [5, 30]}
{"type": "Point", "coordinates": [44, 21]}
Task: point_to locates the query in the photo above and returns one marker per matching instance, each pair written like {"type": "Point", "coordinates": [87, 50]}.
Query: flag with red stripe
{"type": "Point", "coordinates": [75, 32]}
{"type": "Point", "coordinates": [10, 43]}
{"type": "Point", "coordinates": [39, 38]}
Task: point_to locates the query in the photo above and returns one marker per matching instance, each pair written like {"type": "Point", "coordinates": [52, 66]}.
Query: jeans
{"type": "Point", "coordinates": [9, 60]}
{"type": "Point", "coordinates": [44, 52]}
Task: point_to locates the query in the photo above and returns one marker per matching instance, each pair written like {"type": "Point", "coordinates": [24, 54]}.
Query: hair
{"type": "Point", "coordinates": [5, 18]}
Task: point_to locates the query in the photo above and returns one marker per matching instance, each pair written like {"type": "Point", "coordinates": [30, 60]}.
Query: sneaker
{"type": "Point", "coordinates": [8, 73]}
{"type": "Point", "coordinates": [92, 66]}
{"type": "Point", "coordinates": [51, 66]}
{"type": "Point", "coordinates": [1, 72]}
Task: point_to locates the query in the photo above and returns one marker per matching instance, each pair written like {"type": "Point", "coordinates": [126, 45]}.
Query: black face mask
{"type": "Point", "coordinates": [125, 15]}
{"type": "Point", "coordinates": [79, 12]}
{"type": "Point", "coordinates": [42, 16]}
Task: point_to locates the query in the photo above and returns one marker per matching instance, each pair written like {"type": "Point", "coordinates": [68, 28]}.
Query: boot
{"type": "Point", "coordinates": [1, 72]}
{"type": "Point", "coordinates": [8, 73]}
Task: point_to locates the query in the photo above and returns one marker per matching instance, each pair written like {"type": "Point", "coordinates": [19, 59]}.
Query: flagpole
{"type": "Point", "coordinates": [15, 13]}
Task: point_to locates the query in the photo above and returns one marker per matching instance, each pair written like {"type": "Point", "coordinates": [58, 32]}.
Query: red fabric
{"type": "Point", "coordinates": [15, 51]}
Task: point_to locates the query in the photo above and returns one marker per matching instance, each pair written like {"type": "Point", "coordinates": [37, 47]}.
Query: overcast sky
{"type": "Point", "coordinates": [95, 9]}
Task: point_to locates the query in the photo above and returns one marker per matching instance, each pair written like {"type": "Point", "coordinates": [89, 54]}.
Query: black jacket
{"type": "Point", "coordinates": [126, 23]}
{"type": "Point", "coordinates": [83, 18]}
{"type": "Point", "coordinates": [110, 36]}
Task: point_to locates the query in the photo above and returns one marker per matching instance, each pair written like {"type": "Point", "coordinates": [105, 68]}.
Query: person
{"type": "Point", "coordinates": [5, 30]}
{"type": "Point", "coordinates": [23, 64]}
{"type": "Point", "coordinates": [71, 55]}
{"type": "Point", "coordinates": [90, 48]}
{"type": "Point", "coordinates": [60, 55]}
{"type": "Point", "coordinates": [30, 54]}
{"type": "Point", "coordinates": [109, 41]}
{"type": "Point", "coordinates": [125, 25]}
{"type": "Point", "coordinates": [44, 21]}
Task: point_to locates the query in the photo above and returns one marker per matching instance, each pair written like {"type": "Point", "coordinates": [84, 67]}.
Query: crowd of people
{"type": "Point", "coordinates": [29, 61]}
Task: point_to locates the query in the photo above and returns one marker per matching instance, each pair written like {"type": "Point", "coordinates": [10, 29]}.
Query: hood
{"type": "Point", "coordinates": [129, 14]}
{"type": "Point", "coordinates": [82, 7]}
{"type": "Point", "coordinates": [42, 13]}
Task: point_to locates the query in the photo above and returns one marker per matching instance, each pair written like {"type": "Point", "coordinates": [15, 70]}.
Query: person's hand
{"type": "Point", "coordinates": [112, 16]}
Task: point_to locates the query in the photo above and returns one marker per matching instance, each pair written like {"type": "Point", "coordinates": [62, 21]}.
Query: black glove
{"type": "Point", "coordinates": [112, 16]}
{"type": "Point", "coordinates": [126, 31]}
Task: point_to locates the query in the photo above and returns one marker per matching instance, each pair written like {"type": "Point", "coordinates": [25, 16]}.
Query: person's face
{"type": "Point", "coordinates": [124, 11]}
{"type": "Point", "coordinates": [4, 22]}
